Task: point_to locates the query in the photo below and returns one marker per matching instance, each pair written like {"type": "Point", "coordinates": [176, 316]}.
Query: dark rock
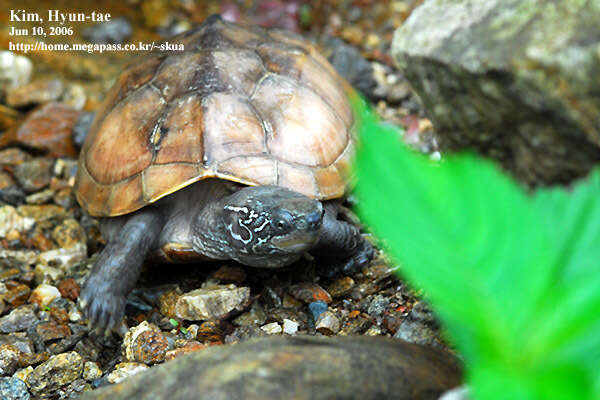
{"type": "Point", "coordinates": [297, 367]}
{"type": "Point", "coordinates": [59, 370]}
{"type": "Point", "coordinates": [115, 31]}
{"type": "Point", "coordinates": [82, 127]}
{"type": "Point", "coordinates": [13, 389]}
{"type": "Point", "coordinates": [519, 87]}
{"type": "Point", "coordinates": [9, 191]}
{"type": "Point", "coordinates": [351, 65]}
{"type": "Point", "coordinates": [378, 305]}
{"type": "Point", "coordinates": [310, 292]}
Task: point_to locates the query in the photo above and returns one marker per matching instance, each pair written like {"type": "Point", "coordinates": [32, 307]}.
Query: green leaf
{"type": "Point", "coordinates": [512, 276]}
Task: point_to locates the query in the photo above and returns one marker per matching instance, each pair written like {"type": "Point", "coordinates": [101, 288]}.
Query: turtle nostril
{"type": "Point", "coordinates": [314, 220]}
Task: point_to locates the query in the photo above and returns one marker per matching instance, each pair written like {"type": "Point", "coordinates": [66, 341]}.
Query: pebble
{"type": "Point", "coordinates": [145, 344]}
{"type": "Point", "coordinates": [272, 329]}
{"type": "Point", "coordinates": [13, 156]}
{"type": "Point", "coordinates": [255, 316]}
{"type": "Point", "coordinates": [316, 308]}
{"type": "Point", "coordinates": [91, 371]}
{"type": "Point", "coordinates": [41, 197]}
{"type": "Point", "coordinates": [46, 274]}
{"type": "Point", "coordinates": [17, 258]}
{"type": "Point", "coordinates": [18, 320]}
{"type": "Point", "coordinates": [64, 198]}
{"type": "Point", "coordinates": [82, 127]}
{"type": "Point", "coordinates": [124, 370]}
{"type": "Point", "coordinates": [290, 327]}
{"type": "Point", "coordinates": [211, 303]}
{"type": "Point", "coordinates": [69, 289]}
{"type": "Point", "coordinates": [189, 347]}
{"type": "Point", "coordinates": [49, 129]}
{"type": "Point", "coordinates": [64, 258]}
{"type": "Point", "coordinates": [51, 330]}
{"type": "Point", "coordinates": [44, 294]}
{"type": "Point", "coordinates": [12, 388]}
{"type": "Point", "coordinates": [11, 220]}
{"type": "Point", "coordinates": [74, 96]}
{"type": "Point", "coordinates": [10, 192]}
{"type": "Point", "coordinates": [19, 340]}
{"type": "Point", "coordinates": [9, 359]}
{"type": "Point", "coordinates": [230, 274]}
{"type": "Point", "coordinates": [341, 286]}
{"type": "Point", "coordinates": [310, 292]}
{"type": "Point", "coordinates": [35, 174]}
{"type": "Point", "coordinates": [23, 373]}
{"type": "Point", "coordinates": [16, 295]}
{"type": "Point", "coordinates": [69, 234]}
{"type": "Point", "coordinates": [115, 31]}
{"type": "Point", "coordinates": [15, 70]}
{"type": "Point", "coordinates": [59, 370]}
{"type": "Point", "coordinates": [167, 302]}
{"type": "Point", "coordinates": [352, 66]}
{"type": "Point", "coordinates": [40, 91]}
{"type": "Point", "coordinates": [377, 306]}
{"type": "Point", "coordinates": [327, 323]}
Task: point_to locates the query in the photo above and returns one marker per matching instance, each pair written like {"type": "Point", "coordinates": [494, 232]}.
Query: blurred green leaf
{"type": "Point", "coordinates": [514, 277]}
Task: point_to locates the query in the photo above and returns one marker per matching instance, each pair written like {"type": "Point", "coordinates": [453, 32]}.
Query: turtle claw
{"type": "Point", "coordinates": [103, 308]}
{"type": "Point", "coordinates": [360, 259]}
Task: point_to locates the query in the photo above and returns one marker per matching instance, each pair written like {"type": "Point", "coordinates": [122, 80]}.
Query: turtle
{"type": "Point", "coordinates": [236, 147]}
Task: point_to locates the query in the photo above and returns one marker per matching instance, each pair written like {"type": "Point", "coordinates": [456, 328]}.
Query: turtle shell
{"type": "Point", "coordinates": [249, 105]}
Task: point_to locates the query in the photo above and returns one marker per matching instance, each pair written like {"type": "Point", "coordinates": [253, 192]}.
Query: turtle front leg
{"type": "Point", "coordinates": [342, 241]}
{"type": "Point", "coordinates": [117, 269]}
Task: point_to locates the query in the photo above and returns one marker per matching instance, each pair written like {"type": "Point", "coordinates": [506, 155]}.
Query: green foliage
{"type": "Point", "coordinates": [514, 277]}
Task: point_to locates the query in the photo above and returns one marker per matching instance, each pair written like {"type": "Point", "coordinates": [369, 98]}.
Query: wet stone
{"type": "Point", "coordinates": [356, 326]}
{"type": "Point", "coordinates": [40, 91]}
{"type": "Point", "coordinates": [64, 258]}
{"type": "Point", "coordinates": [82, 127]}
{"type": "Point", "coordinates": [209, 331]}
{"type": "Point", "coordinates": [9, 275]}
{"type": "Point", "coordinates": [18, 320]}
{"type": "Point", "coordinates": [13, 156]}
{"type": "Point", "coordinates": [115, 31]}
{"type": "Point", "coordinates": [44, 295]}
{"type": "Point", "coordinates": [125, 370]}
{"type": "Point", "coordinates": [145, 343]}
{"type": "Point", "coordinates": [35, 174]}
{"type": "Point", "coordinates": [41, 197]}
{"type": "Point", "coordinates": [91, 371]}
{"type": "Point", "coordinates": [13, 389]}
{"type": "Point", "coordinates": [15, 70]}
{"type": "Point", "coordinates": [189, 347]}
{"type": "Point", "coordinates": [33, 359]}
{"type": "Point", "coordinates": [327, 323]}
{"type": "Point", "coordinates": [49, 129]}
{"type": "Point", "coordinates": [309, 293]}
{"type": "Point", "coordinates": [211, 303]}
{"type": "Point", "coordinates": [59, 370]}
{"type": "Point", "coordinates": [352, 66]}
{"type": "Point", "coordinates": [9, 359]}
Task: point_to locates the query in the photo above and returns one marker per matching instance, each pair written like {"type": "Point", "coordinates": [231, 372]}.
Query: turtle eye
{"type": "Point", "coordinates": [283, 223]}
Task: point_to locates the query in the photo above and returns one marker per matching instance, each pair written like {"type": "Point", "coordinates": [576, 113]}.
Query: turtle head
{"type": "Point", "coordinates": [270, 226]}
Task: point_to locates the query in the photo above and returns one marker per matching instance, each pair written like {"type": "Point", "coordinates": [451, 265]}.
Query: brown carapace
{"type": "Point", "coordinates": [244, 104]}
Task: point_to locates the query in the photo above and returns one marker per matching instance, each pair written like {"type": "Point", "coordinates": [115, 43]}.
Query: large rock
{"type": "Point", "coordinates": [296, 368]}
{"type": "Point", "coordinates": [515, 79]}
